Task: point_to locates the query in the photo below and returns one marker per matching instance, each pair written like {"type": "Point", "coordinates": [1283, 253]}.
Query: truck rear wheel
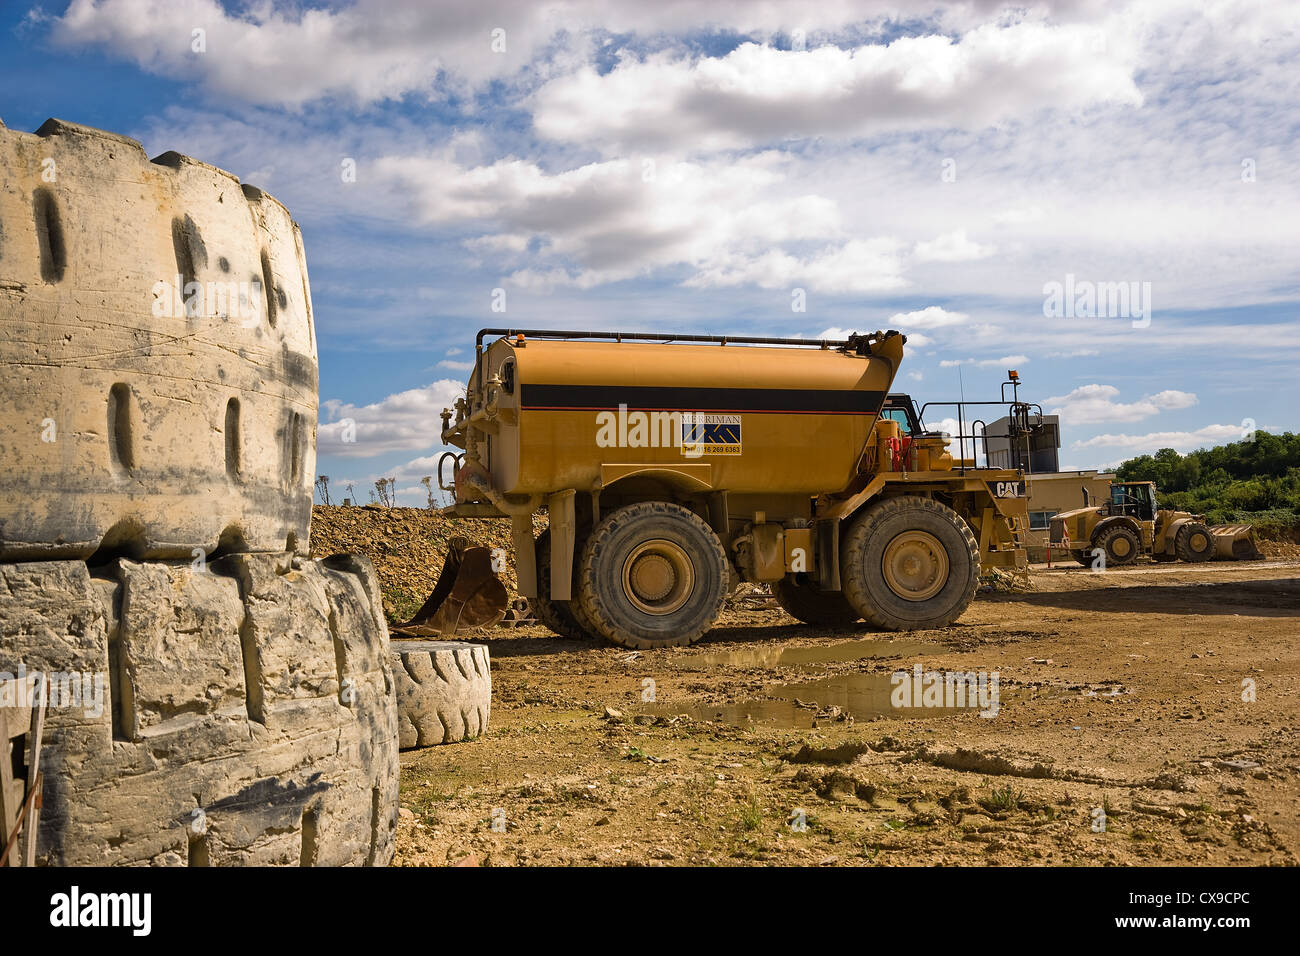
{"type": "Point", "coordinates": [1194, 542]}
{"type": "Point", "coordinates": [806, 602]}
{"type": "Point", "coordinates": [653, 575]}
{"type": "Point", "coordinates": [557, 615]}
{"type": "Point", "coordinates": [909, 563]}
{"type": "Point", "coordinates": [1120, 544]}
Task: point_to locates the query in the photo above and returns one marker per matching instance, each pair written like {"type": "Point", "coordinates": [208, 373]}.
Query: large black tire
{"type": "Point", "coordinates": [1120, 544]}
{"type": "Point", "coordinates": [245, 712]}
{"type": "Point", "coordinates": [909, 563]}
{"type": "Point", "coordinates": [444, 691]}
{"type": "Point", "coordinates": [1194, 542]}
{"type": "Point", "coordinates": [806, 602]}
{"type": "Point", "coordinates": [653, 574]}
{"type": "Point", "coordinates": [1083, 557]}
{"type": "Point", "coordinates": [558, 616]}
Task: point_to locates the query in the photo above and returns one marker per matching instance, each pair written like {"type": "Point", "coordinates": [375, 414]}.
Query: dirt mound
{"type": "Point", "coordinates": [1272, 548]}
{"type": "Point", "coordinates": [407, 547]}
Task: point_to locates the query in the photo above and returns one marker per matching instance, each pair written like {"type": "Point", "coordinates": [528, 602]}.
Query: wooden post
{"type": "Point", "coordinates": [22, 727]}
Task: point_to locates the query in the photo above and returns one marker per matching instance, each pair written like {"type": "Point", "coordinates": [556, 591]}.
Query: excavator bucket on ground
{"type": "Point", "coordinates": [468, 595]}
{"type": "Point", "coordinates": [1235, 542]}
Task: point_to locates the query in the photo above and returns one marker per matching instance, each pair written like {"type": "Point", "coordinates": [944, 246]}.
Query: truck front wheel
{"type": "Point", "coordinates": [909, 563]}
{"type": "Point", "coordinates": [653, 575]}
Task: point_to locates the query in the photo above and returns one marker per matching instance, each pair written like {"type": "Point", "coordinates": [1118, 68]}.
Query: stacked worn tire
{"type": "Point", "coordinates": [158, 402]}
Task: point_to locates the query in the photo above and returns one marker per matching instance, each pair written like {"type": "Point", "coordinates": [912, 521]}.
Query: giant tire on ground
{"type": "Point", "coordinates": [238, 713]}
{"type": "Point", "coordinates": [1120, 544]}
{"type": "Point", "coordinates": [558, 616]}
{"type": "Point", "coordinates": [653, 574]}
{"type": "Point", "coordinates": [1194, 543]}
{"type": "Point", "coordinates": [1083, 557]}
{"type": "Point", "coordinates": [909, 563]}
{"type": "Point", "coordinates": [804, 601]}
{"type": "Point", "coordinates": [160, 386]}
{"type": "Point", "coordinates": [444, 691]}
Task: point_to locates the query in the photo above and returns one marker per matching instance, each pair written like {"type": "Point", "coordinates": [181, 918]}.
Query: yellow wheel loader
{"type": "Point", "coordinates": [671, 467]}
{"type": "Point", "coordinates": [1130, 525]}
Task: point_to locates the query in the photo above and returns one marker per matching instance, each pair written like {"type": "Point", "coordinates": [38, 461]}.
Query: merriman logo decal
{"type": "Point", "coordinates": [706, 434]}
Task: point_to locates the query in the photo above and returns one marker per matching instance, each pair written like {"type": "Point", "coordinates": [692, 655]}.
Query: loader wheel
{"type": "Point", "coordinates": [1194, 542]}
{"type": "Point", "coordinates": [910, 563]}
{"type": "Point", "coordinates": [804, 601]}
{"type": "Point", "coordinates": [653, 575]}
{"type": "Point", "coordinates": [557, 615]}
{"type": "Point", "coordinates": [1120, 544]}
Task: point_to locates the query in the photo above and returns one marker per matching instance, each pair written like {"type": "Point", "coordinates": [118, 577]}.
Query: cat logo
{"type": "Point", "coordinates": [1007, 489]}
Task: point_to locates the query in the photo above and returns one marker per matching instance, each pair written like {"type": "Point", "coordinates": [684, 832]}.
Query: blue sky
{"type": "Point", "coordinates": [687, 167]}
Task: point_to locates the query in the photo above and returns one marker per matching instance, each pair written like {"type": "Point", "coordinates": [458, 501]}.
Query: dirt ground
{"type": "Point", "coordinates": [1147, 715]}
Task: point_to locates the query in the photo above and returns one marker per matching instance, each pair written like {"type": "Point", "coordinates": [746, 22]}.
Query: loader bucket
{"type": "Point", "coordinates": [1236, 542]}
{"type": "Point", "coordinates": [468, 595]}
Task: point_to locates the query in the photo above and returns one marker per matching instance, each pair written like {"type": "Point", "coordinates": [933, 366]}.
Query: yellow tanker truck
{"type": "Point", "coordinates": [672, 466]}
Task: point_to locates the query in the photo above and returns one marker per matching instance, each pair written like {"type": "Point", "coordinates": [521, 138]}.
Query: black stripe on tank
{"type": "Point", "coordinates": [849, 401]}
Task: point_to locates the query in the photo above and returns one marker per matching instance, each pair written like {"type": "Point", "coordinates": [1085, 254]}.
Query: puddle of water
{"type": "Point", "coordinates": [785, 655]}
{"type": "Point", "coordinates": [861, 696]}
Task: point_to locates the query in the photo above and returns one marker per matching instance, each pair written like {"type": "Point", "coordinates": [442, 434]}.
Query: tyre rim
{"type": "Point", "coordinates": [1122, 547]}
{"type": "Point", "coordinates": [658, 577]}
{"type": "Point", "coordinates": [1199, 543]}
{"type": "Point", "coordinates": [915, 566]}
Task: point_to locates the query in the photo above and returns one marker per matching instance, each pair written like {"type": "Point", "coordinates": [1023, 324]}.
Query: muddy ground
{"type": "Point", "coordinates": [1164, 697]}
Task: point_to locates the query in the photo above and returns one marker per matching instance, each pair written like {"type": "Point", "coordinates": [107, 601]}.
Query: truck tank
{"type": "Point", "coordinates": [585, 414]}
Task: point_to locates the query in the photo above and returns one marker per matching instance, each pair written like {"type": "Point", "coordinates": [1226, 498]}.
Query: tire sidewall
{"type": "Point", "coordinates": [608, 549]}
{"type": "Point", "coordinates": [806, 602]}
{"type": "Point", "coordinates": [963, 573]}
{"type": "Point", "coordinates": [1106, 544]}
{"type": "Point", "coordinates": [1185, 543]}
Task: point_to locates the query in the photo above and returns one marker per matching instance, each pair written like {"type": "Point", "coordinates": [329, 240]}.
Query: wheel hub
{"type": "Point", "coordinates": [915, 566]}
{"type": "Point", "coordinates": [658, 577]}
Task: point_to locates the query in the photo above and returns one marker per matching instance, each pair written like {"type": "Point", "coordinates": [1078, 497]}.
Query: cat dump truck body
{"type": "Point", "coordinates": [673, 466]}
{"type": "Point", "coordinates": [1130, 525]}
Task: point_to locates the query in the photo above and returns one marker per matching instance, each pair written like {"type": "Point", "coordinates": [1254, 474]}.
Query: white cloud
{"type": "Point", "coordinates": [1089, 404]}
{"type": "Point", "coordinates": [859, 265]}
{"type": "Point", "coordinates": [458, 366]}
{"type": "Point", "coordinates": [604, 222]}
{"type": "Point", "coordinates": [371, 50]}
{"type": "Point", "coordinates": [758, 94]}
{"type": "Point", "coordinates": [931, 317]}
{"type": "Point", "coordinates": [952, 247]}
{"type": "Point", "coordinates": [1073, 353]}
{"type": "Point", "coordinates": [1182, 441]}
{"type": "Point", "coordinates": [404, 421]}
{"type": "Point", "coordinates": [1007, 361]}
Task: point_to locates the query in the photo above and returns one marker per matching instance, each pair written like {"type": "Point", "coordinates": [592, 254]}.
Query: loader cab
{"type": "Point", "coordinates": [901, 409]}
{"type": "Point", "coordinates": [1135, 499]}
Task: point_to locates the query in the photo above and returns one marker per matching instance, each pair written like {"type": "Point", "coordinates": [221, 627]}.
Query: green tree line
{"type": "Point", "coordinates": [1256, 481]}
